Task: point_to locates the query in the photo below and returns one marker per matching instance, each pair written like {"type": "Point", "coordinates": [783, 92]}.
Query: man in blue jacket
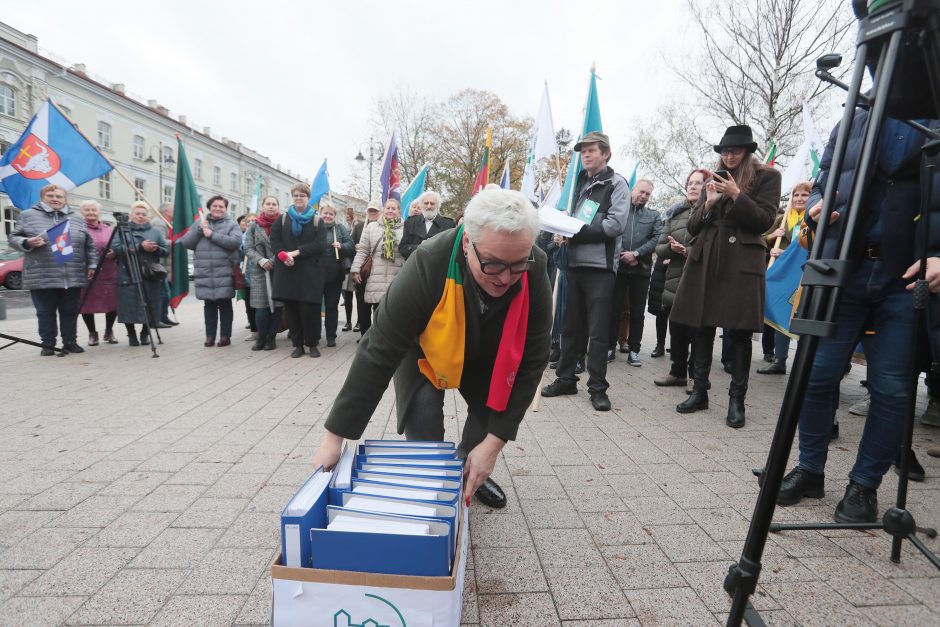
{"type": "Point", "coordinates": [601, 201]}
{"type": "Point", "coordinates": [878, 294]}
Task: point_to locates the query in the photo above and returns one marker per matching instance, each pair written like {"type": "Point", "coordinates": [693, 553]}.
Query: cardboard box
{"type": "Point", "coordinates": [310, 597]}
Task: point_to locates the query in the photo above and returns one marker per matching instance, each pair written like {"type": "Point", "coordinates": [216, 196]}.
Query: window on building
{"type": "Point", "coordinates": [139, 147]}
{"type": "Point", "coordinates": [7, 100]}
{"type": "Point", "coordinates": [104, 135]}
{"type": "Point", "coordinates": [140, 185]}
{"type": "Point", "coordinates": [197, 169]}
{"type": "Point", "coordinates": [167, 193]}
{"type": "Point", "coordinates": [104, 186]}
{"type": "Point", "coordinates": [4, 146]}
{"type": "Point", "coordinates": [232, 208]}
{"type": "Point", "coordinates": [216, 175]}
{"type": "Point", "coordinates": [10, 215]}
{"type": "Point", "coordinates": [233, 178]}
{"type": "Point", "coordinates": [167, 156]}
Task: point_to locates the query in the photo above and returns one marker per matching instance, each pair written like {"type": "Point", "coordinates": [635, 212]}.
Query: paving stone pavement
{"type": "Point", "coordinates": [147, 491]}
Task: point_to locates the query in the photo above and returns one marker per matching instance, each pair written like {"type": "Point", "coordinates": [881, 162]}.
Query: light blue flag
{"type": "Point", "coordinates": [504, 182]}
{"type": "Point", "coordinates": [592, 122]}
{"type": "Point", "coordinates": [782, 284]}
{"type": "Point", "coordinates": [414, 191]}
{"type": "Point", "coordinates": [321, 186]}
{"type": "Point", "coordinates": [632, 179]}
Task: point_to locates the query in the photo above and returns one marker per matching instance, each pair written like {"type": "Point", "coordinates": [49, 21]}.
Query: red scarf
{"type": "Point", "coordinates": [511, 347]}
{"type": "Point", "coordinates": [265, 222]}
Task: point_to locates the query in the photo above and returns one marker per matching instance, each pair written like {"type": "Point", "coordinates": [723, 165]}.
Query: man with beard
{"type": "Point", "coordinates": [425, 224]}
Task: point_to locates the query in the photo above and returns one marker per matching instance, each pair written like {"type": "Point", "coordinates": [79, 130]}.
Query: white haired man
{"type": "Point", "coordinates": [430, 343]}
{"type": "Point", "coordinates": [425, 224]}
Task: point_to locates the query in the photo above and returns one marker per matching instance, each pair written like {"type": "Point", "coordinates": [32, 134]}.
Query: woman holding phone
{"type": "Point", "coordinates": [722, 284]}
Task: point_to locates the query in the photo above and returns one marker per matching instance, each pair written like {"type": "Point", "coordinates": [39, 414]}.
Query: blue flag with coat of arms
{"type": "Point", "coordinates": [50, 151]}
{"type": "Point", "coordinates": [61, 242]}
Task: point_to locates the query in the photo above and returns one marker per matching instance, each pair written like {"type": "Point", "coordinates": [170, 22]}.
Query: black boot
{"type": "Point", "coordinates": [132, 336]}
{"type": "Point", "coordinates": [777, 366]}
{"type": "Point", "coordinates": [270, 342]}
{"type": "Point", "coordinates": [698, 400]}
{"type": "Point", "coordinates": [740, 368]}
{"type": "Point", "coordinates": [701, 359]}
{"type": "Point", "coordinates": [259, 343]}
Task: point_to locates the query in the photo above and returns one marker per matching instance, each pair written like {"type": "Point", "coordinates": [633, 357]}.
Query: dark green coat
{"type": "Point", "coordinates": [391, 345]}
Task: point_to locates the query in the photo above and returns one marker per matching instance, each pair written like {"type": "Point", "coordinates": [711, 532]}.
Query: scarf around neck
{"type": "Point", "coordinates": [443, 340]}
{"type": "Point", "coordinates": [298, 220]}
{"type": "Point", "coordinates": [265, 222]}
{"type": "Point", "coordinates": [390, 239]}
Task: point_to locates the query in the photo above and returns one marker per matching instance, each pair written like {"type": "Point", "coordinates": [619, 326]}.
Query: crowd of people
{"type": "Point", "coordinates": [696, 267]}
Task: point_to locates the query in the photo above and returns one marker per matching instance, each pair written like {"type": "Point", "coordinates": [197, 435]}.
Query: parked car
{"type": "Point", "coordinates": [11, 270]}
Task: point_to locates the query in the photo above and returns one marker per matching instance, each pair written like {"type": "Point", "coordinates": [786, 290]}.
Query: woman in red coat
{"type": "Point", "coordinates": [103, 295]}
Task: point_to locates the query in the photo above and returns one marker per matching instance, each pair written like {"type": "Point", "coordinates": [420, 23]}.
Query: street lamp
{"type": "Point", "coordinates": [164, 160]}
{"type": "Point", "coordinates": [374, 147]}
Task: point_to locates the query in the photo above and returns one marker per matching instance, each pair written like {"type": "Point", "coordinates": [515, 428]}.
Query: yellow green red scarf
{"type": "Point", "coordinates": [444, 338]}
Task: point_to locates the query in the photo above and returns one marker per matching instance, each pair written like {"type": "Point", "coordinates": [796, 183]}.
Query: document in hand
{"type": "Point", "coordinates": [382, 543]}
{"type": "Point", "coordinates": [554, 221]}
{"type": "Point", "coordinates": [305, 510]}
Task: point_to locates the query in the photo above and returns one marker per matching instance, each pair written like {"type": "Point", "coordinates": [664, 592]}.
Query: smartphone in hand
{"type": "Point", "coordinates": [722, 173]}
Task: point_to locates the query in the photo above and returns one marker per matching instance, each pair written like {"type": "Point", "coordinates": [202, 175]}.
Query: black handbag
{"type": "Point", "coordinates": [153, 271]}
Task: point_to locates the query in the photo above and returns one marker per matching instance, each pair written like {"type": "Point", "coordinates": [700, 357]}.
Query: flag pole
{"type": "Point", "coordinates": [786, 220]}
{"type": "Point", "coordinates": [335, 250]}
{"type": "Point", "coordinates": [137, 192]}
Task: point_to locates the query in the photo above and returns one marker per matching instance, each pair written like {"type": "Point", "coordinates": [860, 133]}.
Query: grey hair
{"type": "Point", "coordinates": [500, 210]}
{"type": "Point", "coordinates": [90, 203]}
{"type": "Point", "coordinates": [430, 192]}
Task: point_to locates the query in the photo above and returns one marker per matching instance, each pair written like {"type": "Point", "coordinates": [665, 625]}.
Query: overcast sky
{"type": "Point", "coordinates": [297, 81]}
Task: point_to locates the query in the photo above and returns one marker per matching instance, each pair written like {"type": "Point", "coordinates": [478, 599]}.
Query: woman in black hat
{"type": "Point", "coordinates": [722, 284]}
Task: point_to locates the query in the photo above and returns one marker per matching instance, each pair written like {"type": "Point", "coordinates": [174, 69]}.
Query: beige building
{"type": "Point", "coordinates": [139, 138]}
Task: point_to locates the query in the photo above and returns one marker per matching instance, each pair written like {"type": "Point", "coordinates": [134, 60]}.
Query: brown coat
{"type": "Point", "coordinates": [722, 284]}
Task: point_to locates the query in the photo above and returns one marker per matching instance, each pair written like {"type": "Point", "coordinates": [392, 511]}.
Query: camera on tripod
{"type": "Point", "coordinates": [122, 217]}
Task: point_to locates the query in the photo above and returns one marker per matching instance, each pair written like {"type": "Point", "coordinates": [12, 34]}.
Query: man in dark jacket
{"type": "Point", "coordinates": [494, 257]}
{"type": "Point", "coordinates": [425, 224]}
{"type": "Point", "coordinates": [877, 292]}
{"type": "Point", "coordinates": [601, 200]}
{"type": "Point", "coordinates": [644, 226]}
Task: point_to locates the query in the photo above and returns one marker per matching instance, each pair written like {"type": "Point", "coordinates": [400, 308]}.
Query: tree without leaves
{"type": "Point", "coordinates": [414, 117]}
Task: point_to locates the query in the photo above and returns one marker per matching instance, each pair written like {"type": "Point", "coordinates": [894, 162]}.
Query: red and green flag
{"type": "Point", "coordinates": [771, 157]}
{"type": "Point", "coordinates": [483, 176]}
{"type": "Point", "coordinates": [186, 205]}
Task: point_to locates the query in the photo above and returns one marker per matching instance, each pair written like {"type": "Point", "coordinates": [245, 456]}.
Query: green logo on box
{"type": "Point", "coordinates": [342, 618]}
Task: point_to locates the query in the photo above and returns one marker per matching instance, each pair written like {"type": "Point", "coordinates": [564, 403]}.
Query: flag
{"type": "Point", "coordinates": [592, 122]}
{"type": "Point", "coordinates": [186, 205]}
{"type": "Point", "coordinates": [771, 157]}
{"type": "Point", "coordinates": [483, 176]}
{"type": "Point", "coordinates": [632, 180]}
{"type": "Point", "coordinates": [391, 172]}
{"type": "Point", "coordinates": [321, 186]}
{"type": "Point", "coordinates": [256, 198]}
{"type": "Point", "coordinates": [552, 195]}
{"type": "Point", "coordinates": [783, 285]}
{"type": "Point", "coordinates": [61, 241]}
{"type": "Point", "coordinates": [414, 191]}
{"type": "Point", "coordinates": [543, 144]}
{"type": "Point", "coordinates": [50, 150]}
{"type": "Point", "coordinates": [504, 181]}
{"type": "Point", "coordinates": [810, 151]}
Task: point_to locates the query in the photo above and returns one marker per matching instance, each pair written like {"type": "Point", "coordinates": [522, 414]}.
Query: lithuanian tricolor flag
{"type": "Point", "coordinates": [444, 338]}
{"type": "Point", "coordinates": [483, 176]}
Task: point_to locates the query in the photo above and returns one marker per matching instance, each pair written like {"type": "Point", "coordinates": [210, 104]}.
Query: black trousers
{"type": "Point", "coordinates": [303, 320]}
{"type": "Point", "coordinates": [109, 318]}
{"type": "Point", "coordinates": [662, 327]}
{"type": "Point", "coordinates": [739, 357]}
{"type": "Point", "coordinates": [424, 420]}
{"type": "Point", "coordinates": [682, 337]}
{"type": "Point", "coordinates": [633, 287]}
{"type": "Point", "coordinates": [588, 308]}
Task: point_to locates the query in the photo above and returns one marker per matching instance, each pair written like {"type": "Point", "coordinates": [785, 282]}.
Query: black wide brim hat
{"type": "Point", "coordinates": [737, 137]}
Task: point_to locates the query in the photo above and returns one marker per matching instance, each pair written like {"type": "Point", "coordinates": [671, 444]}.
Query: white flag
{"type": "Point", "coordinates": [553, 196]}
{"type": "Point", "coordinates": [810, 150]}
{"type": "Point", "coordinates": [543, 144]}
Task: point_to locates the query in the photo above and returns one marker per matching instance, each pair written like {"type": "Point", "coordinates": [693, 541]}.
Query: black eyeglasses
{"type": "Point", "coordinates": [498, 267]}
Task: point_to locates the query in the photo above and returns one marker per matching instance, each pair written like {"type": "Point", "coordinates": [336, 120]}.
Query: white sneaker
{"type": "Point", "coordinates": [861, 408]}
{"type": "Point", "coordinates": [634, 359]}
{"type": "Point", "coordinates": [253, 337]}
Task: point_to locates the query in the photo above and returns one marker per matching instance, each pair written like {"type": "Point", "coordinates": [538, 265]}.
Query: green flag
{"type": "Point", "coordinates": [592, 122]}
{"type": "Point", "coordinates": [186, 205]}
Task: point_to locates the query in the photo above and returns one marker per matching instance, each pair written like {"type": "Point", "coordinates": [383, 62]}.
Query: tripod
{"type": "Point", "coordinates": [915, 26]}
{"type": "Point", "coordinates": [132, 260]}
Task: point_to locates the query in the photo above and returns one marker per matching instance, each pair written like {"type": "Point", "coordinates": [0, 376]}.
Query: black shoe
{"type": "Point", "coordinates": [835, 432]}
{"type": "Point", "coordinates": [659, 351]}
{"type": "Point", "coordinates": [144, 339]}
{"type": "Point", "coordinates": [799, 483]}
{"type": "Point", "coordinates": [270, 343]}
{"type": "Point", "coordinates": [777, 366]}
{"type": "Point", "coordinates": [600, 402]}
{"type": "Point", "coordinates": [346, 327]}
{"type": "Point", "coordinates": [611, 355]}
{"type": "Point", "coordinates": [698, 400]}
{"type": "Point", "coordinates": [915, 472]}
{"type": "Point", "coordinates": [579, 366]}
{"type": "Point", "coordinates": [769, 358]}
{"type": "Point", "coordinates": [297, 352]}
{"type": "Point", "coordinates": [356, 328]}
{"type": "Point", "coordinates": [47, 351]}
{"type": "Point", "coordinates": [491, 495]}
{"type": "Point", "coordinates": [169, 322]}
{"type": "Point", "coordinates": [859, 505]}
{"type": "Point", "coordinates": [314, 351]}
{"type": "Point", "coordinates": [559, 388]}
{"type": "Point", "coordinates": [259, 343]}
{"type": "Point", "coordinates": [735, 418]}
{"type": "Point", "coordinates": [132, 339]}
{"type": "Point", "coordinates": [554, 355]}
{"type": "Point", "coordinates": [163, 325]}
{"type": "Point", "coordinates": [72, 347]}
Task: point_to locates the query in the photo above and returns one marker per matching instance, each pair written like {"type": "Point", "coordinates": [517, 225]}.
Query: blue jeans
{"type": "Point", "coordinates": [781, 345]}
{"type": "Point", "coordinates": [870, 295]}
{"type": "Point", "coordinates": [218, 312]}
{"type": "Point", "coordinates": [268, 323]}
{"type": "Point", "coordinates": [52, 301]}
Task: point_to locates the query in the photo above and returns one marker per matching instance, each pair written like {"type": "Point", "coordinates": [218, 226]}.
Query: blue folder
{"type": "Point", "coordinates": [409, 443]}
{"type": "Point", "coordinates": [443, 464]}
{"type": "Point", "coordinates": [374, 450]}
{"type": "Point", "coordinates": [376, 488]}
{"type": "Point", "coordinates": [295, 527]}
{"type": "Point", "coordinates": [382, 553]}
{"type": "Point", "coordinates": [414, 481]}
{"type": "Point", "coordinates": [431, 472]}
